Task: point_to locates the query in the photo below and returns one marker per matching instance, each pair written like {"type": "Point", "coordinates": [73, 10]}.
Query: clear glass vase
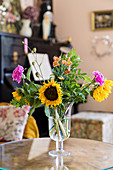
{"type": "Point", "coordinates": [59, 165]}
{"type": "Point", "coordinates": [59, 131]}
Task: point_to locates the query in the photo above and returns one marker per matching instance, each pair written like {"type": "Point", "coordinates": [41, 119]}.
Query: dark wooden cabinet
{"type": "Point", "coordinates": [10, 43]}
{"type": "Point", "coordinates": [52, 49]}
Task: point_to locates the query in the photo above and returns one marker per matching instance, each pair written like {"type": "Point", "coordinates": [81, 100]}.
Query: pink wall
{"type": "Point", "coordinates": [73, 19]}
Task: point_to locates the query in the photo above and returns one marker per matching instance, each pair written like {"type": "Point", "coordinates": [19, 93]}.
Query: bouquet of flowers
{"type": "Point", "coordinates": [60, 91]}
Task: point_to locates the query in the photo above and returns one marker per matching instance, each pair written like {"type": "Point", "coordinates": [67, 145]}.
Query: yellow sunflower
{"type": "Point", "coordinates": [102, 92]}
{"type": "Point", "coordinates": [16, 95]}
{"type": "Point", "coordinates": [50, 93]}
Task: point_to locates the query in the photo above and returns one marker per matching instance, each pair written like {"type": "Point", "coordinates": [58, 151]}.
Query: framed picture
{"type": "Point", "coordinates": [102, 20]}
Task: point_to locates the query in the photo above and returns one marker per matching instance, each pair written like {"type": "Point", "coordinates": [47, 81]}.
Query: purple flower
{"type": "Point", "coordinates": [17, 73]}
{"type": "Point", "coordinates": [99, 78]}
{"type": "Point", "coordinates": [30, 13]}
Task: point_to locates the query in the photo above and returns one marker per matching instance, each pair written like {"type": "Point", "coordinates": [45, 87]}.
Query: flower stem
{"type": "Point", "coordinates": [59, 126]}
{"type": "Point", "coordinates": [32, 83]}
{"type": "Point", "coordinates": [36, 61]}
{"type": "Point", "coordinates": [39, 68]}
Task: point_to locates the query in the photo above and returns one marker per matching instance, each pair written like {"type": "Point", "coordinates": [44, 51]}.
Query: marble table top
{"type": "Point", "coordinates": [32, 154]}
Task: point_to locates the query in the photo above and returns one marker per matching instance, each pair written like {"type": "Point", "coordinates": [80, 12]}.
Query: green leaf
{"type": "Point", "coordinates": [66, 93]}
{"type": "Point", "coordinates": [38, 86]}
{"type": "Point", "coordinates": [29, 73]}
{"type": "Point", "coordinates": [47, 112]}
{"type": "Point", "coordinates": [87, 78]}
{"type": "Point", "coordinates": [79, 71]}
{"type": "Point", "coordinates": [81, 77]}
{"type": "Point", "coordinates": [33, 87]}
{"type": "Point", "coordinates": [62, 107]}
{"type": "Point", "coordinates": [23, 76]}
{"type": "Point", "coordinates": [37, 103]}
{"type": "Point", "coordinates": [31, 111]}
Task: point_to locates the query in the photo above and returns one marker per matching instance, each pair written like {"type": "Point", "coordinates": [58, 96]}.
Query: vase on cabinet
{"type": "Point", "coordinates": [26, 29]}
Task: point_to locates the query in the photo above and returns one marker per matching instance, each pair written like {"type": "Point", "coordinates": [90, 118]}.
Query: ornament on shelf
{"type": "Point", "coordinates": [26, 29]}
{"type": "Point", "coordinates": [46, 27]}
{"type": "Point", "coordinates": [29, 17]}
{"type": "Point", "coordinates": [25, 45]}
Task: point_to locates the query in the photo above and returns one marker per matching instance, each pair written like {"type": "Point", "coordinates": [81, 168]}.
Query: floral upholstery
{"type": "Point", "coordinates": [30, 128]}
{"type": "Point", "coordinates": [12, 122]}
{"type": "Point", "coordinates": [93, 125]}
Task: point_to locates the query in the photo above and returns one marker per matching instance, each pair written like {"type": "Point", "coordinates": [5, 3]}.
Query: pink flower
{"type": "Point", "coordinates": [57, 58]}
{"type": "Point", "coordinates": [99, 78]}
{"type": "Point", "coordinates": [64, 62]}
{"type": "Point", "coordinates": [17, 73]}
{"type": "Point", "coordinates": [69, 63]}
{"type": "Point", "coordinates": [55, 64]}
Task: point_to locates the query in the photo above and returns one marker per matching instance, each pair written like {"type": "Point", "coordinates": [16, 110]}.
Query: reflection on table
{"type": "Point", "coordinates": [32, 154]}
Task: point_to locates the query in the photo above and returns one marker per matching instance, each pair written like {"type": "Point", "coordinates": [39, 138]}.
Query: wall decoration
{"type": "Point", "coordinates": [102, 46]}
{"type": "Point", "coordinates": [102, 20]}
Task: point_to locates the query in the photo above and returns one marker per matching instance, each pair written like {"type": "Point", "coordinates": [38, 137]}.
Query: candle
{"type": "Point", "coordinates": [25, 45]}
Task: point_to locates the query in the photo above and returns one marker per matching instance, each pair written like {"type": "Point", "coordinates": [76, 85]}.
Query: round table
{"type": "Point", "coordinates": [32, 154]}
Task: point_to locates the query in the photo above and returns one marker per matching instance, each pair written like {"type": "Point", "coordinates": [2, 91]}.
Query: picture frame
{"type": "Point", "coordinates": [102, 20]}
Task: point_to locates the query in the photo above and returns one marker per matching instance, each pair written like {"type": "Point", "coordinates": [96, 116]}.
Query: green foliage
{"type": "Point", "coordinates": [29, 73]}
{"type": "Point", "coordinates": [67, 75]}
{"type": "Point", "coordinates": [28, 93]}
{"type": "Point", "coordinates": [47, 112]}
{"type": "Point", "coordinates": [72, 92]}
{"type": "Point", "coordinates": [87, 79]}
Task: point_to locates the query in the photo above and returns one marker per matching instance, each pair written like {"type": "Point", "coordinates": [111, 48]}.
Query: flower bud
{"type": "Point", "coordinates": [37, 74]}
{"type": "Point", "coordinates": [33, 63]}
{"type": "Point", "coordinates": [34, 50]}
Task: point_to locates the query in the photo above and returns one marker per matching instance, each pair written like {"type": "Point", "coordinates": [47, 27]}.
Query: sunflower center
{"type": "Point", "coordinates": [51, 93]}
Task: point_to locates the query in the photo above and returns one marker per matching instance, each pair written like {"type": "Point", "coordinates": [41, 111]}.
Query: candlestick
{"type": "Point", "coordinates": [25, 45]}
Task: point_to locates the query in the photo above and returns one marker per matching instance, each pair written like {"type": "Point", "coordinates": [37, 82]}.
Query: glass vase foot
{"type": "Point", "coordinates": [59, 153]}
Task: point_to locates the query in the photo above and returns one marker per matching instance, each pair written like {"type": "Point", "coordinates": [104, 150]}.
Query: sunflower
{"type": "Point", "coordinates": [102, 92]}
{"type": "Point", "coordinates": [16, 95]}
{"type": "Point", "coordinates": [50, 93]}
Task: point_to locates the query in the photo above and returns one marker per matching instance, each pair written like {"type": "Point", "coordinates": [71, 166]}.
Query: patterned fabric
{"type": "Point", "coordinates": [93, 125]}
{"type": "Point", "coordinates": [12, 122]}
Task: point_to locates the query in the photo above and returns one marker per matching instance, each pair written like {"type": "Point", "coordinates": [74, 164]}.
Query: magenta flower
{"type": "Point", "coordinates": [17, 73]}
{"type": "Point", "coordinates": [99, 78]}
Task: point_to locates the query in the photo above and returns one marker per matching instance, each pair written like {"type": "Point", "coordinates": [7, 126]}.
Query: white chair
{"type": "Point", "coordinates": [43, 61]}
